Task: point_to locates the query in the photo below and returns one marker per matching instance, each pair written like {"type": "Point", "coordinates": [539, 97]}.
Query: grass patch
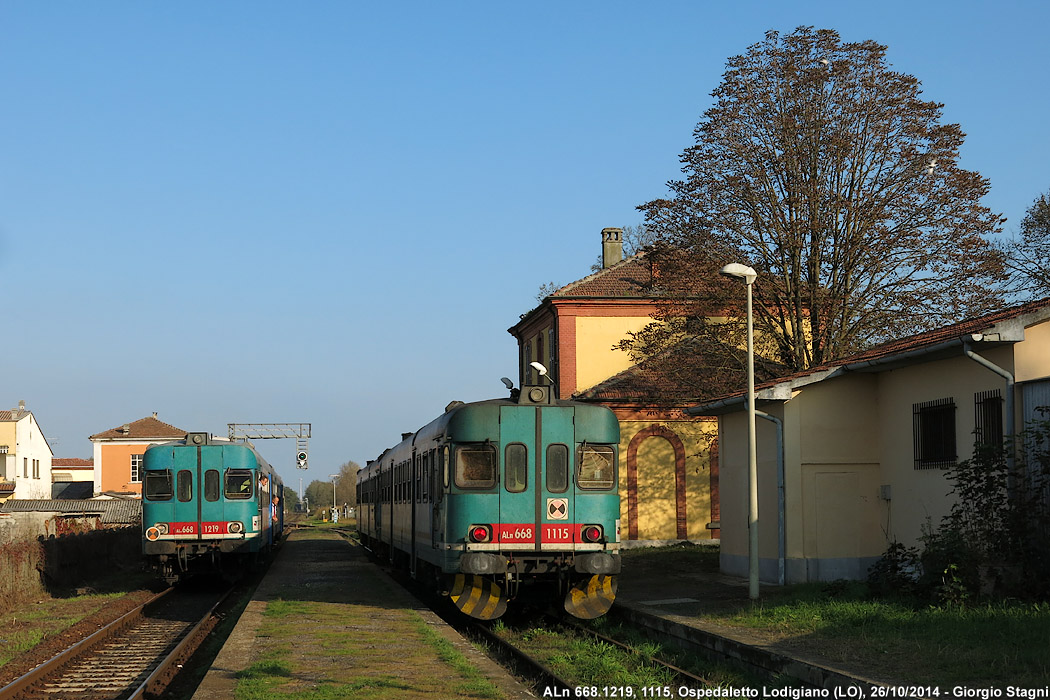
{"type": "Point", "coordinates": [474, 683]}
{"type": "Point", "coordinates": [1003, 642]}
{"type": "Point", "coordinates": [26, 627]}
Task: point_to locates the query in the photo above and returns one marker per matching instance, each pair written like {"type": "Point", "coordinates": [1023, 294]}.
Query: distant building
{"type": "Point", "coordinates": [25, 456]}
{"type": "Point", "coordinates": [118, 453]}
{"type": "Point", "coordinates": [72, 478]}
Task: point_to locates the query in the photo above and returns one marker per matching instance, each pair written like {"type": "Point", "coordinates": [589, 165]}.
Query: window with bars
{"type": "Point", "coordinates": [933, 434]}
{"type": "Point", "coordinates": [988, 417]}
{"type": "Point", "coordinates": [136, 468]}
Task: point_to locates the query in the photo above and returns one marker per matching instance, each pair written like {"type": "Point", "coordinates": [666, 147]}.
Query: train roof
{"type": "Point", "coordinates": [211, 440]}
{"type": "Point", "coordinates": [437, 427]}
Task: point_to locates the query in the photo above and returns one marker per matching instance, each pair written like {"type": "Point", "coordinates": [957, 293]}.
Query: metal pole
{"type": "Point", "coordinates": [752, 457]}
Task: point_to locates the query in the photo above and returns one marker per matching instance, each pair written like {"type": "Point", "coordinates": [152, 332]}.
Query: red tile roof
{"type": "Point", "coordinates": [72, 462]}
{"type": "Point", "coordinates": [1035, 311]}
{"type": "Point", "coordinates": [632, 277]}
{"type": "Point", "coordinates": [148, 428]}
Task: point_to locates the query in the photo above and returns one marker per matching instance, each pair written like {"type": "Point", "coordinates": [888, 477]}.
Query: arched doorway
{"type": "Point", "coordinates": [656, 499]}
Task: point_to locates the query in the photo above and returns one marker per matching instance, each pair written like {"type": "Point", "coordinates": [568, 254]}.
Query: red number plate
{"type": "Point", "coordinates": [213, 528]}
{"type": "Point", "coordinates": [182, 529]}
{"type": "Point", "coordinates": [561, 533]}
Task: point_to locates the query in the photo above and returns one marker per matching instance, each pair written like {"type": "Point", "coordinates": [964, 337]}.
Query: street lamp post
{"type": "Point", "coordinates": [748, 275]}
{"type": "Point", "coordinates": [333, 477]}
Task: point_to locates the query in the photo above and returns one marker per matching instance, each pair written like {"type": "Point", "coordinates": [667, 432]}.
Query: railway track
{"type": "Point", "coordinates": [548, 683]}
{"type": "Point", "coordinates": [136, 654]}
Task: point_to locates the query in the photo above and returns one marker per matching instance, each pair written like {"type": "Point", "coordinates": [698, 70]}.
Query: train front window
{"type": "Point", "coordinates": [595, 466]}
{"type": "Point", "coordinates": [158, 485]}
{"type": "Point", "coordinates": [515, 468]}
{"type": "Point", "coordinates": [475, 466]}
{"type": "Point", "coordinates": [184, 485]}
{"type": "Point", "coordinates": [557, 468]}
{"type": "Point", "coordinates": [239, 484]}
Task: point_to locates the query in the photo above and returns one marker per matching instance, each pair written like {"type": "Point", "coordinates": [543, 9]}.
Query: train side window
{"type": "Point", "coordinates": [515, 468]}
{"type": "Point", "coordinates": [239, 484]}
{"type": "Point", "coordinates": [557, 468]}
{"type": "Point", "coordinates": [184, 485]}
{"type": "Point", "coordinates": [444, 465]}
{"type": "Point", "coordinates": [475, 466]}
{"type": "Point", "coordinates": [595, 466]}
{"type": "Point", "coordinates": [211, 485]}
{"type": "Point", "coordinates": [426, 476]}
{"type": "Point", "coordinates": [158, 486]}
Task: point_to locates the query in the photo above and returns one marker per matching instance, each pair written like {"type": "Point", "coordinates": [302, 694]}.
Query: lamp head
{"type": "Point", "coordinates": [739, 272]}
{"type": "Point", "coordinates": [539, 368]}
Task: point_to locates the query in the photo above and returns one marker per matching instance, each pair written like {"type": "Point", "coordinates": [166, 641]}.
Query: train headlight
{"type": "Point", "coordinates": [480, 533]}
{"type": "Point", "coordinates": [162, 528]}
{"type": "Point", "coordinates": [591, 533]}
{"type": "Point", "coordinates": [234, 527]}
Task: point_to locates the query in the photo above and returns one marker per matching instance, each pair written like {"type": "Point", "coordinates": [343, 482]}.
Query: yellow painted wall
{"type": "Point", "coordinates": [7, 435]}
{"type": "Point", "coordinates": [1032, 354]}
{"type": "Point", "coordinates": [657, 507]}
{"type": "Point", "coordinates": [596, 360]}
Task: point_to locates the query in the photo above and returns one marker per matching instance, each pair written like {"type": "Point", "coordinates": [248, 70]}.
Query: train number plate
{"type": "Point", "coordinates": [213, 528]}
{"type": "Point", "coordinates": [517, 533]}
{"type": "Point", "coordinates": [561, 533]}
{"type": "Point", "coordinates": [182, 529]}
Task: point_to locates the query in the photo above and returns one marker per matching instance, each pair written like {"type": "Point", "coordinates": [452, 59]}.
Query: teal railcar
{"type": "Point", "coordinates": [496, 495]}
{"type": "Point", "coordinates": [208, 505]}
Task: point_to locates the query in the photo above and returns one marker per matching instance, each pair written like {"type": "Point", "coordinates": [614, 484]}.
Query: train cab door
{"type": "Point", "coordinates": [212, 516]}
{"type": "Point", "coordinates": [518, 495]}
{"type": "Point", "coordinates": [186, 464]}
{"type": "Point", "coordinates": [555, 507]}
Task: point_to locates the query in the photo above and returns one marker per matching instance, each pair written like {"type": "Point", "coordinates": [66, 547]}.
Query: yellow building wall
{"type": "Point", "coordinates": [1032, 356]}
{"type": "Point", "coordinates": [596, 336]}
{"type": "Point", "coordinates": [7, 435]}
{"type": "Point", "coordinates": [653, 459]}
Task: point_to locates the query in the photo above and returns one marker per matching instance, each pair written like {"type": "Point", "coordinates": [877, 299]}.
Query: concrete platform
{"type": "Point", "coordinates": [325, 615]}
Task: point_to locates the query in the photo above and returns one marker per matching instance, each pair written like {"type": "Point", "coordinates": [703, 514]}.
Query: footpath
{"type": "Point", "coordinates": [325, 616]}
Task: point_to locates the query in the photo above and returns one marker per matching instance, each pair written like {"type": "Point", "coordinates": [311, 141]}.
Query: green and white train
{"type": "Point", "coordinates": [208, 505]}
{"type": "Point", "coordinates": [497, 495]}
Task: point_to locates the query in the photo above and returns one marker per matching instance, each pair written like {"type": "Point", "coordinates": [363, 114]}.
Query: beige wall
{"type": "Point", "coordinates": [844, 440]}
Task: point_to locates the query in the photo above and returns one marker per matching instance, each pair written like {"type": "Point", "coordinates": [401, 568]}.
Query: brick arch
{"type": "Point", "coordinates": [679, 479]}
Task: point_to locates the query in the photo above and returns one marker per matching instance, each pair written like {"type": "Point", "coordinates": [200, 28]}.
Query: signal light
{"type": "Point", "coordinates": [300, 459]}
{"type": "Point", "coordinates": [591, 533]}
{"type": "Point", "coordinates": [480, 533]}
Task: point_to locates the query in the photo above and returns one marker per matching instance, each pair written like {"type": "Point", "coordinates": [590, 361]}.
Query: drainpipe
{"type": "Point", "coordinates": [781, 529]}
{"type": "Point", "coordinates": [1009, 396]}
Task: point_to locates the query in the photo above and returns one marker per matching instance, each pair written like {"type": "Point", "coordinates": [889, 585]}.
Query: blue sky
{"type": "Point", "coordinates": [331, 212]}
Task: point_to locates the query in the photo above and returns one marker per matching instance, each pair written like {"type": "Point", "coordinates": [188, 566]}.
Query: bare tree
{"type": "Point", "coordinates": [1028, 258]}
{"type": "Point", "coordinates": [824, 170]}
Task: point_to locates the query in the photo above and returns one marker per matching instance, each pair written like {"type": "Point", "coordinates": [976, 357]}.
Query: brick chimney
{"type": "Point", "coordinates": [612, 246]}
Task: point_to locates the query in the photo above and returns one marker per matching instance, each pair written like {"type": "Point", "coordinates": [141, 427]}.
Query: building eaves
{"type": "Point", "coordinates": [997, 328]}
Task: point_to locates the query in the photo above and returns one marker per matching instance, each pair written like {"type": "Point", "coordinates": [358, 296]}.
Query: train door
{"type": "Point", "coordinates": [213, 515]}
{"type": "Point", "coordinates": [554, 503]}
{"type": "Point", "coordinates": [187, 516]}
{"type": "Point", "coordinates": [520, 437]}
{"type": "Point", "coordinates": [440, 477]}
